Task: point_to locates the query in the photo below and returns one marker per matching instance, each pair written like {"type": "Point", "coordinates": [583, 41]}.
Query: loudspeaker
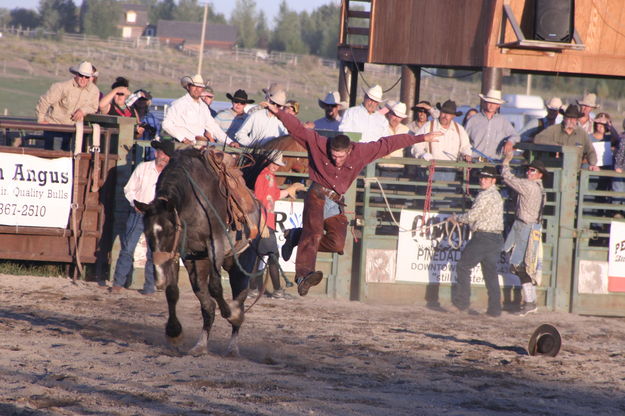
{"type": "Point", "coordinates": [554, 20]}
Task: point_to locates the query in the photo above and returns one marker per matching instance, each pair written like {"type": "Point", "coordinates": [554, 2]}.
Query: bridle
{"type": "Point", "coordinates": [161, 257]}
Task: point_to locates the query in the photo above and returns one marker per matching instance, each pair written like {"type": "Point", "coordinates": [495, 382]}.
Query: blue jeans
{"type": "Point", "coordinates": [618, 185]}
{"type": "Point", "coordinates": [134, 229]}
{"type": "Point", "coordinates": [485, 249]}
{"type": "Point", "coordinates": [517, 242]}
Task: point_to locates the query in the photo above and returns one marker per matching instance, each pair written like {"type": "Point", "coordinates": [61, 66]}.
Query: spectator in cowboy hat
{"type": "Point", "coordinates": [232, 119]}
{"type": "Point", "coordinates": [489, 131]}
{"type": "Point", "coordinates": [586, 106]}
{"type": "Point", "coordinates": [331, 105]}
{"type": "Point", "coordinates": [395, 115]}
{"type": "Point", "coordinates": [189, 120]}
{"type": "Point", "coordinates": [535, 126]}
{"type": "Point", "coordinates": [422, 112]}
{"type": "Point", "coordinates": [365, 118]}
{"type": "Point", "coordinates": [485, 218]}
{"type": "Point", "coordinates": [569, 133]}
{"type": "Point", "coordinates": [207, 96]}
{"type": "Point", "coordinates": [140, 187]}
{"type": "Point", "coordinates": [68, 102]}
{"type": "Point", "coordinates": [262, 125]}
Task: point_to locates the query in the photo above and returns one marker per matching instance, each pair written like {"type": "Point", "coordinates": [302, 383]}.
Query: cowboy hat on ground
{"type": "Point", "coordinates": [589, 100]}
{"type": "Point", "coordinates": [449, 107]}
{"type": "Point", "coordinates": [375, 93]}
{"type": "Point", "coordinates": [572, 111]}
{"type": "Point", "coordinates": [167, 146]}
{"type": "Point", "coordinates": [492, 96]}
{"type": "Point", "coordinates": [332, 98]}
{"type": "Point", "coordinates": [399, 109]}
{"type": "Point", "coordinates": [555, 103]}
{"type": "Point", "coordinates": [240, 96]}
{"type": "Point", "coordinates": [85, 69]}
{"type": "Point", "coordinates": [545, 340]}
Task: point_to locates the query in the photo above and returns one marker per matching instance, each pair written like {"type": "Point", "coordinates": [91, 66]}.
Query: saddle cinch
{"type": "Point", "coordinates": [241, 202]}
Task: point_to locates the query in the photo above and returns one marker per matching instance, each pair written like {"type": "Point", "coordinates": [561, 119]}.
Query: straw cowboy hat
{"type": "Point", "coordinates": [572, 111]}
{"type": "Point", "coordinates": [332, 98]}
{"type": "Point", "coordinates": [399, 109]}
{"type": "Point", "coordinates": [545, 340]}
{"type": "Point", "coordinates": [492, 96]}
{"type": "Point", "coordinates": [240, 96]}
{"type": "Point", "coordinates": [589, 100]}
{"type": "Point", "coordinates": [85, 69]}
{"type": "Point", "coordinates": [195, 80]}
{"type": "Point", "coordinates": [278, 160]}
{"type": "Point", "coordinates": [278, 97]}
{"type": "Point", "coordinates": [375, 93]}
{"type": "Point", "coordinates": [555, 103]}
{"type": "Point", "coordinates": [273, 88]}
{"type": "Point", "coordinates": [449, 107]}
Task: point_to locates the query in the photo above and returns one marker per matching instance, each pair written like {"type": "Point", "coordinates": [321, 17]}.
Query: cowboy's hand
{"type": "Point", "coordinates": [78, 115]}
{"type": "Point", "coordinates": [468, 158]}
{"type": "Point", "coordinates": [294, 188]}
{"type": "Point", "coordinates": [209, 137]}
{"type": "Point", "coordinates": [593, 168]}
{"type": "Point", "coordinates": [187, 141]}
{"type": "Point", "coordinates": [269, 106]}
{"type": "Point", "coordinates": [507, 148]}
{"type": "Point", "coordinates": [508, 157]}
{"type": "Point", "coordinates": [432, 137]}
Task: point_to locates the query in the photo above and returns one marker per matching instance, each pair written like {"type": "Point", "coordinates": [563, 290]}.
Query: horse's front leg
{"type": "Point", "coordinates": [238, 284]}
{"type": "Point", "coordinates": [198, 275]}
{"type": "Point", "coordinates": [168, 274]}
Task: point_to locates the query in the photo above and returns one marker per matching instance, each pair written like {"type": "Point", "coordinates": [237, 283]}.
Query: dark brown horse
{"type": "Point", "coordinates": [297, 164]}
{"type": "Point", "coordinates": [189, 219]}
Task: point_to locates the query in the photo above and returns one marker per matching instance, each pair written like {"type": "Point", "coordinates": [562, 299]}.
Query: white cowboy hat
{"type": "Point", "coordinates": [196, 80]}
{"type": "Point", "coordinates": [589, 100]}
{"type": "Point", "coordinates": [399, 109]}
{"type": "Point", "coordinates": [277, 159]}
{"type": "Point", "coordinates": [555, 103]}
{"type": "Point", "coordinates": [332, 98]}
{"type": "Point", "coordinates": [273, 88]}
{"type": "Point", "coordinates": [493, 96]}
{"type": "Point", "coordinates": [375, 93]}
{"type": "Point", "coordinates": [278, 97]}
{"type": "Point", "coordinates": [85, 69]}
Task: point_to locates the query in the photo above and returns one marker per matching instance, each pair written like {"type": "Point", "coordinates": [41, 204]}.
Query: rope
{"type": "Point", "coordinates": [428, 192]}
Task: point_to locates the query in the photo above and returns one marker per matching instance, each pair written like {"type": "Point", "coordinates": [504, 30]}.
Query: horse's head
{"type": "Point", "coordinates": [162, 231]}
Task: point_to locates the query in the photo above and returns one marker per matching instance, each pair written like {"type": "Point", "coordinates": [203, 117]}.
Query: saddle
{"type": "Point", "coordinates": [241, 203]}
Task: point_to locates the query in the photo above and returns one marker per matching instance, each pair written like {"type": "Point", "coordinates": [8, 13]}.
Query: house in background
{"type": "Point", "coordinates": [134, 21]}
{"type": "Point", "coordinates": [187, 35]}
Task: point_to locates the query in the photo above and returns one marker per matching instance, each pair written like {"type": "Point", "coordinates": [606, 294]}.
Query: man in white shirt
{"type": "Point", "coordinates": [365, 118]}
{"type": "Point", "coordinates": [189, 120]}
{"type": "Point", "coordinates": [331, 105]}
{"type": "Point", "coordinates": [587, 104]}
{"type": "Point", "coordinates": [262, 125]}
{"type": "Point", "coordinates": [140, 187]}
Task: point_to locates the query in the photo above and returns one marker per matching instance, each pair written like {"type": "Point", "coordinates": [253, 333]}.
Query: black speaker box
{"type": "Point", "coordinates": [554, 20]}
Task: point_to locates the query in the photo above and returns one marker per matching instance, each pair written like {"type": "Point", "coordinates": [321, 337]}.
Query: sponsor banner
{"type": "Point", "coordinates": [34, 191]}
{"type": "Point", "coordinates": [428, 254]}
{"type": "Point", "coordinates": [288, 215]}
{"type": "Point", "coordinates": [616, 257]}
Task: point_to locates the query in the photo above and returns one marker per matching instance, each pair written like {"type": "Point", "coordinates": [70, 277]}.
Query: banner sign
{"type": "Point", "coordinates": [428, 254]}
{"type": "Point", "coordinates": [35, 192]}
{"type": "Point", "coordinates": [616, 257]}
{"type": "Point", "coordinates": [288, 215]}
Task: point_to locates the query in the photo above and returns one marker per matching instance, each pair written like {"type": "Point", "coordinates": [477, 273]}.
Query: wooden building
{"type": "Point", "coordinates": [188, 34]}
{"type": "Point", "coordinates": [492, 35]}
{"type": "Point", "coordinates": [134, 20]}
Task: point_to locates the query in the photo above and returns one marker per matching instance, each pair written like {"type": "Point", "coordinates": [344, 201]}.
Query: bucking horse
{"type": "Point", "coordinates": [197, 217]}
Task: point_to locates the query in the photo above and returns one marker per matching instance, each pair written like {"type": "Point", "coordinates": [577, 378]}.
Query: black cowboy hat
{"type": "Point", "coordinates": [240, 96]}
{"type": "Point", "coordinates": [449, 107]}
{"type": "Point", "coordinates": [540, 166]}
{"type": "Point", "coordinates": [545, 340]}
{"type": "Point", "coordinates": [489, 172]}
{"type": "Point", "coordinates": [572, 111]}
{"type": "Point", "coordinates": [167, 146]}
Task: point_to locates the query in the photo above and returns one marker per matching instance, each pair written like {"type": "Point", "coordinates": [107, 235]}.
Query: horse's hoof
{"type": "Point", "coordinates": [198, 351]}
{"type": "Point", "coordinates": [233, 353]}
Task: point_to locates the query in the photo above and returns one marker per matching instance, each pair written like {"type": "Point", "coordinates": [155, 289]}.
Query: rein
{"type": "Point", "coordinates": [160, 257]}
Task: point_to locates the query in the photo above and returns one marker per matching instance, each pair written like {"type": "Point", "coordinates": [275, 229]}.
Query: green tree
{"type": "Point", "coordinates": [161, 10]}
{"type": "Point", "coordinates": [100, 18]}
{"type": "Point", "coordinates": [245, 19]}
{"type": "Point", "coordinates": [25, 18]}
{"type": "Point", "coordinates": [58, 15]}
{"type": "Point", "coordinates": [287, 34]}
{"type": "Point", "coordinates": [262, 31]}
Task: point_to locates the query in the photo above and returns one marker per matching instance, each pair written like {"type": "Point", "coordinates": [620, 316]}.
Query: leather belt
{"type": "Point", "coordinates": [333, 195]}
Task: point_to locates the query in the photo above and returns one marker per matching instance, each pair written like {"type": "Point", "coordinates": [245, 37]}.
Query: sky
{"type": "Point", "coordinates": [270, 7]}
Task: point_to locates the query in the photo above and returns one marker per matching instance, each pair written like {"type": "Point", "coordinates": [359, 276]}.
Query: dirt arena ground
{"type": "Point", "coordinates": [70, 349]}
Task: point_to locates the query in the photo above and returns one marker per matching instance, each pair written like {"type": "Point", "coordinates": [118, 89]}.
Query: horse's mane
{"type": "Point", "coordinates": [173, 182]}
{"type": "Point", "coordinates": [263, 155]}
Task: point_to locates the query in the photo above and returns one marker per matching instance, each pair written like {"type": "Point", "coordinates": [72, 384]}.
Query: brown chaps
{"type": "Point", "coordinates": [318, 234]}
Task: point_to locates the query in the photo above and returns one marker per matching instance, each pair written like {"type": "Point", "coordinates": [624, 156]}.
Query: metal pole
{"type": "Point", "coordinates": [201, 54]}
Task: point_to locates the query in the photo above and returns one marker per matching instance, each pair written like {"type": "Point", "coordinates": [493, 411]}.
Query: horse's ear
{"type": "Point", "coordinates": [141, 206]}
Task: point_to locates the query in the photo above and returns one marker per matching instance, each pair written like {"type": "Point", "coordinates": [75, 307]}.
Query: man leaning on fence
{"type": "Point", "coordinates": [68, 102]}
{"type": "Point", "coordinates": [524, 240]}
